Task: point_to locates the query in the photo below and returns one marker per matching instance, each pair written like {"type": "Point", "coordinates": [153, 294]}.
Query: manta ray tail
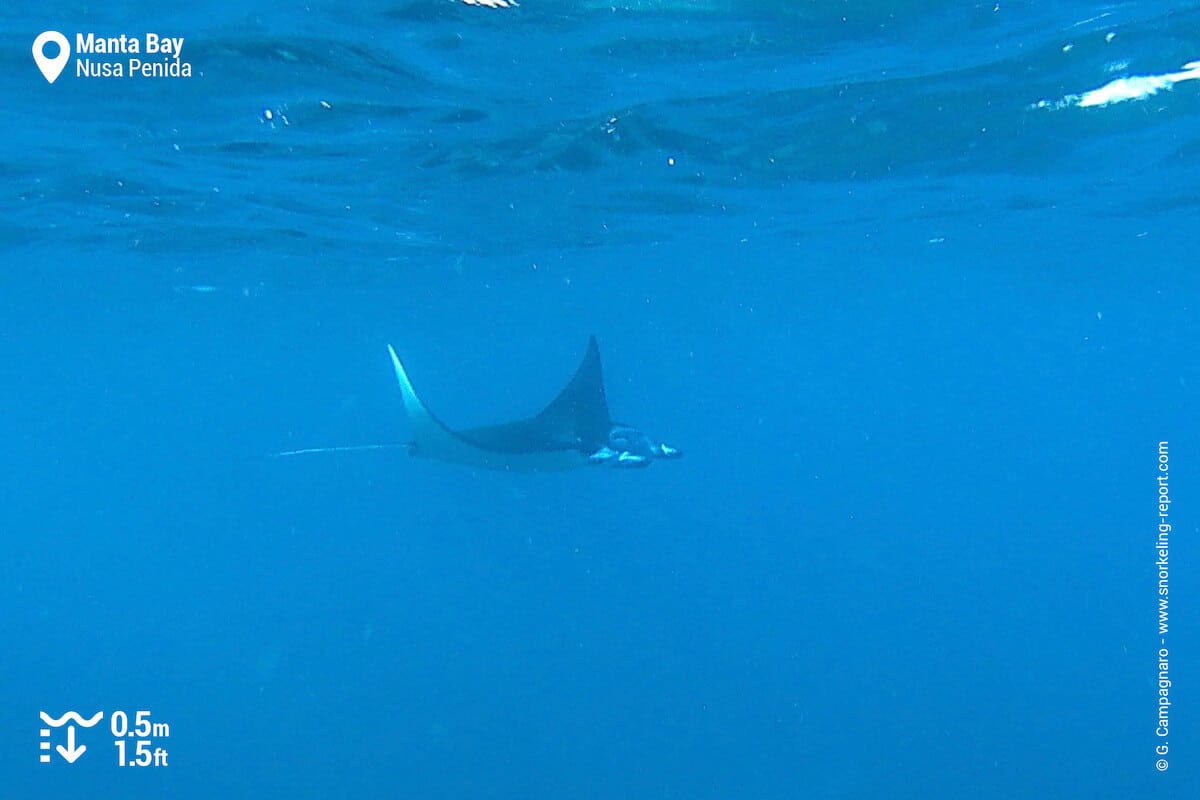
{"type": "Point", "coordinates": [354, 448]}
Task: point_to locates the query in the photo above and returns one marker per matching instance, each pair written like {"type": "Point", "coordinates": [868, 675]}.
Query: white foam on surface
{"type": "Point", "coordinates": [1135, 87]}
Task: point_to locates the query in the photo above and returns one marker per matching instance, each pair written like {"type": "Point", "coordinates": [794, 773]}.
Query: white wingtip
{"type": "Point", "coordinates": [416, 410]}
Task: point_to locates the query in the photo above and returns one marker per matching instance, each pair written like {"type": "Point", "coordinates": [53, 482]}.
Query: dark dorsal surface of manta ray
{"type": "Point", "coordinates": [574, 430]}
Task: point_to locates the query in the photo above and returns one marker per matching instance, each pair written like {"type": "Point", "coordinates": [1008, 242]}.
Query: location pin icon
{"type": "Point", "coordinates": [51, 67]}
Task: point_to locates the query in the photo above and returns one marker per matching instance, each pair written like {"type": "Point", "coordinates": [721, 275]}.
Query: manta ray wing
{"type": "Point", "coordinates": [561, 436]}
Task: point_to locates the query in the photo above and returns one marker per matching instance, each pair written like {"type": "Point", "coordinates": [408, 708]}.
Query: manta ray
{"type": "Point", "coordinates": [574, 430]}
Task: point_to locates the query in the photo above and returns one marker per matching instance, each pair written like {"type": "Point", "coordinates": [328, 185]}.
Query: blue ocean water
{"type": "Point", "coordinates": [917, 311]}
